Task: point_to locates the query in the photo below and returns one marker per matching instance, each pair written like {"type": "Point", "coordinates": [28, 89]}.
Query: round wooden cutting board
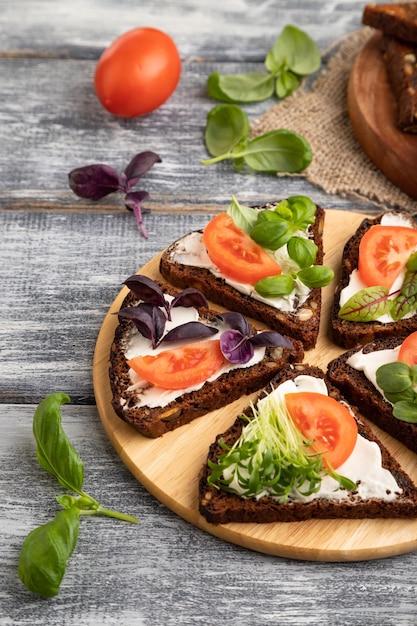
{"type": "Point", "coordinates": [372, 111]}
{"type": "Point", "coordinates": [169, 466]}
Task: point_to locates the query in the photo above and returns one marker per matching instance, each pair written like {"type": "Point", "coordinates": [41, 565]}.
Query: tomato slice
{"type": "Point", "coordinates": [383, 253]}
{"type": "Point", "coordinates": [181, 367]}
{"type": "Point", "coordinates": [408, 350]}
{"type": "Point", "coordinates": [235, 253]}
{"type": "Point", "coordinates": [326, 422]}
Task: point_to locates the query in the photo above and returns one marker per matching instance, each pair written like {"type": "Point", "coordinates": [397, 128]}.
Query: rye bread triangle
{"type": "Point", "coordinates": [221, 507]}
{"type": "Point", "coordinates": [398, 20]}
{"type": "Point", "coordinates": [302, 323]}
{"type": "Point", "coordinates": [347, 333]}
{"type": "Point", "coordinates": [184, 406]}
{"type": "Point", "coordinates": [359, 390]}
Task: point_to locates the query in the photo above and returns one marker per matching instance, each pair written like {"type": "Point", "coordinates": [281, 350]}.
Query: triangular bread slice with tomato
{"type": "Point", "coordinates": [379, 377]}
{"type": "Point", "coordinates": [279, 463]}
{"type": "Point", "coordinates": [173, 359]}
{"type": "Point", "coordinates": [378, 284]}
{"type": "Point", "coordinates": [244, 261]}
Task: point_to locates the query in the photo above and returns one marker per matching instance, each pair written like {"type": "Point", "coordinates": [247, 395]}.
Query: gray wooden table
{"type": "Point", "coordinates": [62, 263]}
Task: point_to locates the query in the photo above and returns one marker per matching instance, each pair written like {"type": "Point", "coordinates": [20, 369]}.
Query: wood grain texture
{"type": "Point", "coordinates": [62, 262]}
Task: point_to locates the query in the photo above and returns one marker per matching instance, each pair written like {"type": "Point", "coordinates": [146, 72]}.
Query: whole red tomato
{"type": "Point", "coordinates": [138, 72]}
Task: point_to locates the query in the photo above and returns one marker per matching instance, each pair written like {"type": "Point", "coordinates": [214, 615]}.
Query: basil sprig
{"type": "Point", "coordinates": [398, 381]}
{"type": "Point", "coordinates": [368, 304]}
{"type": "Point", "coordinates": [226, 137]}
{"type": "Point", "coordinates": [293, 56]}
{"type": "Point", "coordinates": [279, 226]}
{"type": "Point", "coordinates": [46, 549]}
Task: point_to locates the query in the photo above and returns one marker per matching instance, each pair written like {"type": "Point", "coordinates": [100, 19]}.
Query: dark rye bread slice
{"type": "Point", "coordinates": [303, 324]}
{"type": "Point", "coordinates": [220, 507]}
{"type": "Point", "coordinates": [401, 62]}
{"type": "Point", "coordinates": [348, 334]}
{"type": "Point", "coordinates": [398, 20]}
{"type": "Point", "coordinates": [357, 389]}
{"type": "Point", "coordinates": [154, 422]}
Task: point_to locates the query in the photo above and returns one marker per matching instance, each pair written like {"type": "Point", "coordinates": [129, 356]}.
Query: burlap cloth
{"type": "Point", "coordinates": [318, 111]}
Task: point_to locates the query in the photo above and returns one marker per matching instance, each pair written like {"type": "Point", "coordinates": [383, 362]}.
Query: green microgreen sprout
{"type": "Point", "coordinates": [398, 382]}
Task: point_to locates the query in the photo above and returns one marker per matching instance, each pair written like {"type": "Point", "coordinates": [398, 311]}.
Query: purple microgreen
{"type": "Point", "coordinates": [147, 290]}
{"type": "Point", "coordinates": [236, 321]}
{"type": "Point", "coordinates": [190, 330]}
{"type": "Point", "coordinates": [138, 166]}
{"type": "Point", "coordinates": [133, 202]}
{"type": "Point", "coordinates": [235, 347]}
{"type": "Point", "coordinates": [190, 297]}
{"type": "Point", "coordinates": [271, 339]}
{"type": "Point", "coordinates": [94, 182]}
{"type": "Point", "coordinates": [148, 319]}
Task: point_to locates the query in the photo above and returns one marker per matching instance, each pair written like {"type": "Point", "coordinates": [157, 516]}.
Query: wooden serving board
{"type": "Point", "coordinates": [169, 466]}
{"type": "Point", "coordinates": [372, 111]}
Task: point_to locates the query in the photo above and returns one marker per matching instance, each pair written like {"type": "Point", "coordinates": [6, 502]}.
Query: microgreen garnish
{"type": "Point", "coordinates": [270, 456]}
{"type": "Point", "coordinates": [238, 344]}
{"type": "Point", "coordinates": [227, 137]}
{"type": "Point", "coordinates": [398, 381]}
{"type": "Point", "coordinates": [279, 226]}
{"type": "Point", "coordinates": [46, 549]}
{"type": "Point", "coordinates": [293, 56]}
{"type": "Point", "coordinates": [94, 182]}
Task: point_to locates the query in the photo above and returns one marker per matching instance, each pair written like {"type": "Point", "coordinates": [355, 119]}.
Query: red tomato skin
{"type": "Point", "coordinates": [238, 256]}
{"type": "Point", "coordinates": [322, 418]}
{"type": "Point", "coordinates": [408, 351]}
{"type": "Point", "coordinates": [137, 73]}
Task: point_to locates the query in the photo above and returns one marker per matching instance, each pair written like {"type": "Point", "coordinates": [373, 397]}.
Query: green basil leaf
{"type": "Point", "coordinates": [405, 411]}
{"type": "Point", "coordinates": [250, 87]}
{"type": "Point", "coordinates": [277, 151]}
{"type": "Point", "coordinates": [283, 210]}
{"type": "Point", "coordinates": [45, 551]}
{"type": "Point", "coordinates": [243, 216]}
{"type": "Point", "coordinates": [411, 264]}
{"type": "Point", "coordinates": [316, 276]}
{"type": "Point", "coordinates": [297, 50]}
{"type": "Point", "coordinates": [271, 233]}
{"type": "Point", "coordinates": [366, 305]}
{"type": "Point", "coordinates": [303, 211]}
{"type": "Point", "coordinates": [393, 377]}
{"type": "Point", "coordinates": [275, 286]}
{"type": "Point", "coordinates": [286, 84]}
{"type": "Point", "coordinates": [301, 250]}
{"type": "Point", "coordinates": [227, 125]}
{"type": "Point", "coordinates": [53, 449]}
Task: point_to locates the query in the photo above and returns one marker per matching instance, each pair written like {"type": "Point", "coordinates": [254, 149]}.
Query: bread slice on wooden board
{"type": "Point", "coordinates": [398, 20]}
{"type": "Point", "coordinates": [401, 63]}
{"type": "Point", "coordinates": [185, 406]}
{"type": "Point", "coordinates": [346, 333]}
{"type": "Point", "coordinates": [221, 507]}
{"type": "Point", "coordinates": [301, 324]}
{"type": "Point", "coordinates": [358, 390]}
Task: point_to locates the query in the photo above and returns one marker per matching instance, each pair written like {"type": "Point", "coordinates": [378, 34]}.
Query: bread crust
{"type": "Point", "coordinates": [349, 334]}
{"type": "Point", "coordinates": [220, 507]}
{"type": "Point", "coordinates": [358, 390]}
{"type": "Point", "coordinates": [398, 20]}
{"type": "Point", "coordinates": [302, 325]}
{"type": "Point", "coordinates": [155, 422]}
{"type": "Point", "coordinates": [401, 63]}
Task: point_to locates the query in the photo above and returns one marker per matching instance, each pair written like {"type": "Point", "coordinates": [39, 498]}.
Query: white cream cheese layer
{"type": "Point", "coordinates": [355, 282]}
{"type": "Point", "coordinates": [364, 466]}
{"type": "Point", "coordinates": [192, 251]}
{"type": "Point", "coordinates": [138, 345]}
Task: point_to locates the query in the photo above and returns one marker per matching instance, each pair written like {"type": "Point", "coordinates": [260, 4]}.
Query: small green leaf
{"type": "Point", "coordinates": [227, 125]}
{"type": "Point", "coordinates": [271, 231]}
{"type": "Point", "coordinates": [303, 211]}
{"type": "Point", "coordinates": [277, 151]}
{"type": "Point", "coordinates": [53, 449]}
{"type": "Point", "coordinates": [411, 264]}
{"type": "Point", "coordinates": [366, 305]}
{"type": "Point", "coordinates": [275, 286]}
{"type": "Point", "coordinates": [394, 377]}
{"type": "Point", "coordinates": [286, 83]}
{"type": "Point", "coordinates": [316, 276]}
{"type": "Point", "coordinates": [244, 88]}
{"type": "Point", "coordinates": [402, 305]}
{"type": "Point", "coordinates": [302, 250]}
{"type": "Point", "coordinates": [408, 394]}
{"type": "Point", "coordinates": [298, 52]}
{"type": "Point", "coordinates": [45, 551]}
{"type": "Point", "coordinates": [243, 216]}
{"type": "Point", "coordinates": [405, 411]}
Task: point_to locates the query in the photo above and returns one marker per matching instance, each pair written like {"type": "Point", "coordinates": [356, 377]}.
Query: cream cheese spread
{"type": "Point", "coordinates": [190, 250]}
{"type": "Point", "coordinates": [138, 345]}
{"type": "Point", "coordinates": [364, 466]}
{"type": "Point", "coordinates": [355, 283]}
